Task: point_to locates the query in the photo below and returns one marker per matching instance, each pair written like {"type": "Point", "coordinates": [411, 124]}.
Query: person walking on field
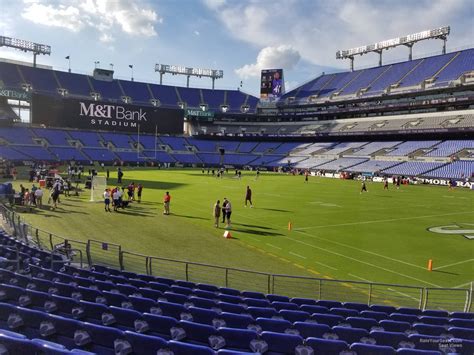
{"type": "Point", "coordinates": [216, 212]}
{"type": "Point", "coordinates": [166, 203]}
{"type": "Point", "coordinates": [248, 197]}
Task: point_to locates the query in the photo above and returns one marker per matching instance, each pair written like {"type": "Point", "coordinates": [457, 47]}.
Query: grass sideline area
{"type": "Point", "coordinates": [337, 232]}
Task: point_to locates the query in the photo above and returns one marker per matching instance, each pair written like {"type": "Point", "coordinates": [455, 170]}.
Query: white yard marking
{"type": "Point", "coordinates": [403, 294]}
{"type": "Point", "coordinates": [382, 220]}
{"type": "Point", "coordinates": [330, 205]}
{"type": "Point", "coordinates": [325, 265]}
{"type": "Point", "coordinates": [445, 266]}
{"type": "Point", "coordinates": [362, 262]}
{"type": "Point", "coordinates": [361, 250]}
{"type": "Point", "coordinates": [466, 284]}
{"type": "Point", "coordinates": [348, 257]}
{"type": "Point", "coordinates": [273, 246]}
{"type": "Point", "coordinates": [360, 278]}
{"type": "Point", "coordinates": [298, 255]}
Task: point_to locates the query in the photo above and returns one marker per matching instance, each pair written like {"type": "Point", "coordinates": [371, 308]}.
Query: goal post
{"type": "Point", "coordinates": [98, 186]}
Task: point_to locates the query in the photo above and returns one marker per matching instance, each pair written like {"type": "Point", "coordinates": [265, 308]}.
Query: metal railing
{"type": "Point", "coordinates": [112, 255]}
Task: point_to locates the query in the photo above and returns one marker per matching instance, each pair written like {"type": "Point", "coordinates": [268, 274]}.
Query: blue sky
{"type": "Point", "coordinates": [240, 37]}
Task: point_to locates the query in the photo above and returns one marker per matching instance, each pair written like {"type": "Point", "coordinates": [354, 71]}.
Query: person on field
{"type": "Point", "coordinates": [216, 212]}
{"type": "Point", "coordinates": [107, 200]}
{"type": "Point", "coordinates": [116, 198]}
{"type": "Point", "coordinates": [306, 174]}
{"type": "Point", "coordinates": [55, 195]}
{"type": "Point", "coordinates": [119, 175]}
{"type": "Point", "coordinates": [385, 184]}
{"type": "Point", "coordinates": [248, 197]}
{"type": "Point", "coordinates": [228, 212]}
{"type": "Point", "coordinates": [224, 204]}
{"type": "Point", "coordinates": [363, 187]}
{"type": "Point", "coordinates": [166, 203]}
{"type": "Point", "coordinates": [39, 197]}
{"type": "Point", "coordinates": [139, 193]}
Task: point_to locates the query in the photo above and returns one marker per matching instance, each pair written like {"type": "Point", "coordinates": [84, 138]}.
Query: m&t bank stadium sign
{"type": "Point", "coordinates": [106, 116]}
{"type": "Point", "coordinates": [111, 115]}
{"type": "Point", "coordinates": [15, 94]}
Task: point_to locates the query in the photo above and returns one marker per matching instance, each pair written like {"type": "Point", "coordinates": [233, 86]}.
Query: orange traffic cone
{"type": "Point", "coordinates": [290, 226]}
{"type": "Point", "coordinates": [430, 265]}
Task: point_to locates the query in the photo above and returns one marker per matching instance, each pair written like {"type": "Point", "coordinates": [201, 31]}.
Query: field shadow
{"type": "Point", "coordinates": [275, 210]}
{"type": "Point", "coordinates": [446, 272]}
{"type": "Point", "coordinates": [250, 225]}
{"type": "Point", "coordinates": [191, 217]}
{"type": "Point", "coordinates": [256, 232]}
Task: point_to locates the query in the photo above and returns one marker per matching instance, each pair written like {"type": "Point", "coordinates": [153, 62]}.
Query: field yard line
{"type": "Point", "coordinates": [403, 294]}
{"type": "Point", "coordinates": [467, 283]}
{"type": "Point", "coordinates": [360, 278]}
{"type": "Point", "coordinates": [460, 262]}
{"type": "Point", "coordinates": [344, 256]}
{"type": "Point", "coordinates": [273, 246]}
{"type": "Point", "coordinates": [361, 250]}
{"type": "Point", "coordinates": [298, 255]}
{"type": "Point", "coordinates": [382, 220]}
{"type": "Point", "coordinates": [325, 265]}
{"type": "Point", "coordinates": [362, 262]}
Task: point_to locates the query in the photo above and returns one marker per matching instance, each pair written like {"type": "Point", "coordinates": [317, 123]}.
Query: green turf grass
{"type": "Point", "coordinates": [379, 236]}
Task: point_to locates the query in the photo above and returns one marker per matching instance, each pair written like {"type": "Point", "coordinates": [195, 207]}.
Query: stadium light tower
{"type": "Point", "coordinates": [408, 41]}
{"type": "Point", "coordinates": [25, 46]}
{"type": "Point", "coordinates": [180, 70]}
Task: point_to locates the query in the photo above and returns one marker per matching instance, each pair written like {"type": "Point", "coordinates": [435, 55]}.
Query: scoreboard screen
{"type": "Point", "coordinates": [272, 84]}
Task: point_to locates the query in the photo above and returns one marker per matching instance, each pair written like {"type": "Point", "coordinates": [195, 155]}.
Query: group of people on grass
{"type": "Point", "coordinates": [34, 196]}
{"type": "Point", "coordinates": [115, 196]}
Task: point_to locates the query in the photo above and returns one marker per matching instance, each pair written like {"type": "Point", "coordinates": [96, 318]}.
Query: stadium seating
{"type": "Point", "coordinates": [37, 315]}
{"type": "Point", "coordinates": [359, 157]}
{"type": "Point", "coordinates": [396, 77]}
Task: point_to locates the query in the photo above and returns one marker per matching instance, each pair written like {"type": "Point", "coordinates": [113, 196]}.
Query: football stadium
{"type": "Point", "coordinates": [334, 216]}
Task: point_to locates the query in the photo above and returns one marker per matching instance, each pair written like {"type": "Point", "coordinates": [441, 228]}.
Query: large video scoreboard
{"type": "Point", "coordinates": [272, 84]}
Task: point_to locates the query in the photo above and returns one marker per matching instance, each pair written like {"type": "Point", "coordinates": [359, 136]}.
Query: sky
{"type": "Point", "coordinates": [240, 37]}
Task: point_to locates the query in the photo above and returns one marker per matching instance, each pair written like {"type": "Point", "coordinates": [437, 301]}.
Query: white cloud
{"type": "Point", "coordinates": [317, 29]}
{"type": "Point", "coordinates": [62, 16]}
{"type": "Point", "coordinates": [197, 33]}
{"type": "Point", "coordinates": [214, 4]}
{"type": "Point", "coordinates": [283, 56]}
{"type": "Point", "coordinates": [106, 16]}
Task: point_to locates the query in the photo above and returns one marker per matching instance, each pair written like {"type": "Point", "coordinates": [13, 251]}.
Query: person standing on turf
{"type": "Point", "coordinates": [385, 184]}
{"type": "Point", "coordinates": [228, 213]}
{"type": "Point", "coordinates": [216, 212]}
{"type": "Point", "coordinates": [248, 197]}
{"type": "Point", "coordinates": [139, 193]}
{"type": "Point", "coordinates": [107, 200]}
{"type": "Point", "coordinates": [166, 203]}
{"type": "Point", "coordinates": [119, 175]}
{"type": "Point", "coordinates": [116, 198]}
{"type": "Point", "coordinates": [223, 208]}
{"type": "Point", "coordinates": [306, 174]}
{"type": "Point", "coordinates": [258, 174]}
{"type": "Point", "coordinates": [363, 187]}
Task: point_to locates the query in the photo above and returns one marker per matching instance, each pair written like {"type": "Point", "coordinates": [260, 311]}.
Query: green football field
{"type": "Point", "coordinates": [337, 232]}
